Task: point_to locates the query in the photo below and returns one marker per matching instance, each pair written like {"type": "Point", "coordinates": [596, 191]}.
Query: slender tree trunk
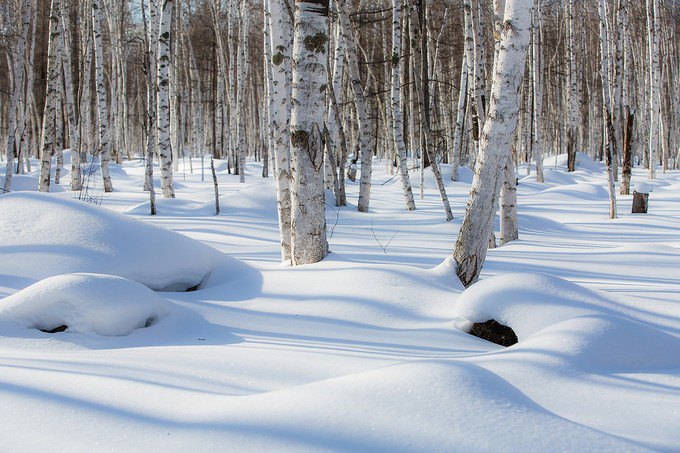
{"type": "Point", "coordinates": [104, 138]}
{"type": "Point", "coordinates": [366, 142]}
{"type": "Point", "coordinates": [48, 140]}
{"type": "Point", "coordinates": [460, 119]}
{"type": "Point", "coordinates": [397, 115]}
{"type": "Point", "coordinates": [610, 134]}
{"type": "Point", "coordinates": [16, 106]}
{"type": "Point", "coordinates": [163, 112]}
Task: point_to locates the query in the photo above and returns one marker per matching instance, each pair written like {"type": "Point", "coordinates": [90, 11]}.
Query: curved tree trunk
{"type": "Point", "coordinates": [495, 141]}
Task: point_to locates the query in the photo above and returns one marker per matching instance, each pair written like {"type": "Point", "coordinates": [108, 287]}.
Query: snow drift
{"type": "Point", "coordinates": [43, 236]}
{"type": "Point", "coordinates": [103, 304]}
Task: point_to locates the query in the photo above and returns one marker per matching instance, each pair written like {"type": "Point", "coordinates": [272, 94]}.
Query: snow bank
{"type": "Point", "coordinates": [43, 236]}
{"type": "Point", "coordinates": [26, 183]}
{"type": "Point", "coordinates": [578, 191]}
{"type": "Point", "coordinates": [528, 302]}
{"type": "Point", "coordinates": [582, 328]}
{"type": "Point", "coordinates": [417, 406]}
{"type": "Point", "coordinates": [583, 162]}
{"type": "Point", "coordinates": [551, 177]}
{"type": "Point", "coordinates": [103, 304]}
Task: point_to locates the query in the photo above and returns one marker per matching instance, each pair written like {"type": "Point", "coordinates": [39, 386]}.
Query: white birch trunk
{"type": "Point", "coordinates": [495, 141]}
{"type": "Point", "coordinates": [366, 142]}
{"type": "Point", "coordinates": [163, 112]}
{"type": "Point", "coordinates": [537, 90]}
{"type": "Point", "coordinates": [397, 116]}
{"type": "Point", "coordinates": [310, 66]}
{"type": "Point", "coordinates": [281, 45]}
{"type": "Point", "coordinates": [16, 107]}
{"type": "Point", "coordinates": [48, 135]}
{"type": "Point", "coordinates": [104, 138]}
{"type": "Point", "coordinates": [460, 118]}
{"type": "Point", "coordinates": [607, 105]}
{"type": "Point", "coordinates": [73, 120]}
{"type": "Point", "coordinates": [654, 30]}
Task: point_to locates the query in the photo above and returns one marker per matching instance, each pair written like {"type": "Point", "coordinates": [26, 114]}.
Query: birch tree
{"type": "Point", "coordinates": [102, 105]}
{"type": "Point", "coordinates": [48, 135]}
{"type": "Point", "coordinates": [654, 31]}
{"type": "Point", "coordinates": [397, 114]}
{"type": "Point", "coordinates": [281, 44]}
{"type": "Point", "coordinates": [310, 66]}
{"type": "Point", "coordinates": [610, 135]}
{"type": "Point", "coordinates": [366, 142]}
{"type": "Point", "coordinates": [163, 89]}
{"type": "Point", "coordinates": [16, 107]}
{"type": "Point", "coordinates": [495, 141]}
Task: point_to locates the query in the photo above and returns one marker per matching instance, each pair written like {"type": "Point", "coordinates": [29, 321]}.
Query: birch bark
{"type": "Point", "coordinates": [281, 44]}
{"type": "Point", "coordinates": [104, 138]}
{"type": "Point", "coordinates": [495, 141]}
{"type": "Point", "coordinates": [397, 115]}
{"type": "Point", "coordinates": [310, 66]}
{"type": "Point", "coordinates": [163, 112]}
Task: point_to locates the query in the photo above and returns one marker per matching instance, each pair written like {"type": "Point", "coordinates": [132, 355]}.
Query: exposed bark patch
{"type": "Point", "coordinates": [494, 332]}
{"type": "Point", "coordinates": [277, 59]}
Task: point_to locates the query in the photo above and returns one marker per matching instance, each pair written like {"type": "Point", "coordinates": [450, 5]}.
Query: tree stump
{"type": "Point", "coordinates": [640, 202]}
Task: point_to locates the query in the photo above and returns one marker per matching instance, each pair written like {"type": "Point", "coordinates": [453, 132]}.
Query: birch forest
{"type": "Point", "coordinates": [409, 82]}
{"type": "Point", "coordinates": [340, 225]}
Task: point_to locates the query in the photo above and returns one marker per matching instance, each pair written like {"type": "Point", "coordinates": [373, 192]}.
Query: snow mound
{"type": "Point", "coordinates": [26, 183]}
{"type": "Point", "coordinates": [43, 236]}
{"type": "Point", "coordinates": [606, 343]}
{"type": "Point", "coordinates": [168, 207]}
{"type": "Point", "coordinates": [258, 200]}
{"type": "Point", "coordinates": [578, 191]}
{"type": "Point", "coordinates": [421, 406]}
{"type": "Point", "coordinates": [557, 318]}
{"type": "Point", "coordinates": [552, 177]}
{"type": "Point", "coordinates": [643, 187]}
{"type": "Point", "coordinates": [465, 175]}
{"type": "Point", "coordinates": [583, 162]}
{"type": "Point", "coordinates": [103, 304]}
{"type": "Point", "coordinates": [528, 302]}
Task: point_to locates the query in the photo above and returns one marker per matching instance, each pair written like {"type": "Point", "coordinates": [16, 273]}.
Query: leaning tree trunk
{"type": "Point", "coordinates": [163, 112]}
{"type": "Point", "coordinates": [104, 138]}
{"type": "Point", "coordinates": [310, 77]}
{"type": "Point", "coordinates": [495, 141]}
{"type": "Point", "coordinates": [397, 115]}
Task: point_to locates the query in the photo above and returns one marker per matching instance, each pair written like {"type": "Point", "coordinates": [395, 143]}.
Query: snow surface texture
{"type": "Point", "coordinates": [103, 304]}
{"type": "Point", "coordinates": [361, 352]}
{"type": "Point", "coordinates": [43, 236]}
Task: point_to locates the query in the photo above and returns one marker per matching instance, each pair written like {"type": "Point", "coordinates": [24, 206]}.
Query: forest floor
{"type": "Point", "coordinates": [365, 350]}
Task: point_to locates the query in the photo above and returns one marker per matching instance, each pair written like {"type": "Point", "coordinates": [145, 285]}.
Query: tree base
{"type": "Point", "coordinates": [494, 332]}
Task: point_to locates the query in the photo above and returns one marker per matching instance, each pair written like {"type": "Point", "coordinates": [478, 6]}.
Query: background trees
{"type": "Point", "coordinates": [94, 84]}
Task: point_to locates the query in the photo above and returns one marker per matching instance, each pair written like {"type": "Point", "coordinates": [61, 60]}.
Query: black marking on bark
{"type": "Point", "coordinates": [316, 43]}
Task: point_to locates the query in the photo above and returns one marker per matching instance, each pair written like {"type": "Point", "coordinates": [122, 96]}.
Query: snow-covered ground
{"type": "Point", "coordinates": [364, 351]}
